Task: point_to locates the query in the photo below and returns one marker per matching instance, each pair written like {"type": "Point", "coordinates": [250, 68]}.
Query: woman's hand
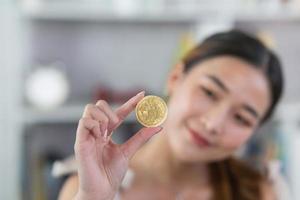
{"type": "Point", "coordinates": [102, 164]}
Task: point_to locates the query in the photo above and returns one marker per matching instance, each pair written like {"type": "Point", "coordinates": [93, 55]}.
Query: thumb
{"type": "Point", "coordinates": [135, 142]}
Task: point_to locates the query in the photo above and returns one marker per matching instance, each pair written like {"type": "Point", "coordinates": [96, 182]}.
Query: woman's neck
{"type": "Point", "coordinates": [156, 160]}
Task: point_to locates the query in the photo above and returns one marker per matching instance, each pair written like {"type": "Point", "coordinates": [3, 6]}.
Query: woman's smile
{"type": "Point", "coordinates": [198, 139]}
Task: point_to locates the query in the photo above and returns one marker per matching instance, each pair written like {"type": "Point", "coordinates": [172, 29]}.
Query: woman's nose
{"type": "Point", "coordinates": [213, 121]}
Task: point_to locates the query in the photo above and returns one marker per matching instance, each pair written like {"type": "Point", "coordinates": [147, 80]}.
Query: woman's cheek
{"type": "Point", "coordinates": [181, 107]}
{"type": "Point", "coordinates": [235, 139]}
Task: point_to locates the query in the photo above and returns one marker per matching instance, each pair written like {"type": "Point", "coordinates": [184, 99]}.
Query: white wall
{"type": "Point", "coordinates": [10, 41]}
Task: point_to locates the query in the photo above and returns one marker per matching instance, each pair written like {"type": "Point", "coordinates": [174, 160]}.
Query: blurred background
{"type": "Point", "coordinates": [58, 55]}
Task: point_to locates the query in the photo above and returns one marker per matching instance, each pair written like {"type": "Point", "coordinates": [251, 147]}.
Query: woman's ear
{"type": "Point", "coordinates": [175, 77]}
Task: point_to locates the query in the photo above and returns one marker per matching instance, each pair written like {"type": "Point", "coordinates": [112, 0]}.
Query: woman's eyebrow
{"type": "Point", "coordinates": [218, 82]}
{"type": "Point", "coordinates": [251, 110]}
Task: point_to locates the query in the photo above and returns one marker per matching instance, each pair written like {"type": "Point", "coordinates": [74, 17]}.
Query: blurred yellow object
{"type": "Point", "coordinates": [267, 39]}
{"type": "Point", "coordinates": [186, 43]}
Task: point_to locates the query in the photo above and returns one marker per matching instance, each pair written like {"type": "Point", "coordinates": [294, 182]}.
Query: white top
{"type": "Point", "coordinates": [281, 188]}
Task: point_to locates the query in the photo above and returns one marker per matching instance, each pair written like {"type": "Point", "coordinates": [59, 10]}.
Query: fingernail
{"type": "Point", "coordinates": [107, 137]}
{"type": "Point", "coordinates": [141, 93]}
{"type": "Point", "coordinates": [104, 128]}
{"type": "Point", "coordinates": [105, 134]}
{"type": "Point", "coordinates": [159, 129]}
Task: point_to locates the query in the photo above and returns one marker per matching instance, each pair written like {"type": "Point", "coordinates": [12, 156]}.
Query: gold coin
{"type": "Point", "coordinates": [151, 111]}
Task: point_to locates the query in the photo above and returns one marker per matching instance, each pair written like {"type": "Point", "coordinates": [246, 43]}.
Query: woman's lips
{"type": "Point", "coordinates": [198, 139]}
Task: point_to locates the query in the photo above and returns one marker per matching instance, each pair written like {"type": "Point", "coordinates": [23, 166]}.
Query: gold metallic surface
{"type": "Point", "coordinates": [151, 111]}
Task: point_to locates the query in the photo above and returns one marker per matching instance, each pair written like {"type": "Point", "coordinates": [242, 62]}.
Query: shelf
{"type": "Point", "coordinates": [63, 11]}
{"type": "Point", "coordinates": [83, 11]}
{"type": "Point", "coordinates": [261, 14]}
{"type": "Point", "coordinates": [64, 114]}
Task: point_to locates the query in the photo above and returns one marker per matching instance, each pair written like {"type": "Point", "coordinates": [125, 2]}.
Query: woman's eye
{"type": "Point", "coordinates": [242, 120]}
{"type": "Point", "coordinates": [209, 93]}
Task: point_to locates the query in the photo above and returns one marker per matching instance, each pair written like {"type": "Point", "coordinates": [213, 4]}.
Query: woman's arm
{"type": "Point", "coordinates": [69, 188]}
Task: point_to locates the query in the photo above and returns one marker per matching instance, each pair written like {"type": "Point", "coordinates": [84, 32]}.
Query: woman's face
{"type": "Point", "coordinates": [214, 108]}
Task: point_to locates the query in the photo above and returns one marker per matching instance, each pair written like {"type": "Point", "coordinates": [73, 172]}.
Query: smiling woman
{"type": "Point", "coordinates": [220, 93]}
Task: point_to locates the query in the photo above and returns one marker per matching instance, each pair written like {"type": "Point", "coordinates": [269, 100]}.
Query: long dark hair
{"type": "Point", "coordinates": [231, 178]}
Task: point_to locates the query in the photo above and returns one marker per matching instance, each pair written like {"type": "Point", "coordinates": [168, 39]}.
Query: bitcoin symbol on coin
{"type": "Point", "coordinates": [151, 111]}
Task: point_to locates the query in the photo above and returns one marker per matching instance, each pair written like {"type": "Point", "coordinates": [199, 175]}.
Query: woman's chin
{"type": "Point", "coordinates": [188, 154]}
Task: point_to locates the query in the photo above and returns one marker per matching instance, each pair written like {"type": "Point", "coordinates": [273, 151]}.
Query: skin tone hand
{"type": "Point", "coordinates": [102, 164]}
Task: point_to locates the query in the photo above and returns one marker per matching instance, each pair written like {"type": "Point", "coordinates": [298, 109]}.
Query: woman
{"type": "Point", "coordinates": [220, 93]}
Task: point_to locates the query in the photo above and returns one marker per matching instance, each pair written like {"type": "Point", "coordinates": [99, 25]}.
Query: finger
{"type": "Point", "coordinates": [87, 127]}
{"type": "Point", "coordinates": [93, 112]}
{"type": "Point", "coordinates": [113, 118]}
{"type": "Point", "coordinates": [88, 134]}
{"type": "Point", "coordinates": [135, 142]}
{"type": "Point", "coordinates": [123, 111]}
